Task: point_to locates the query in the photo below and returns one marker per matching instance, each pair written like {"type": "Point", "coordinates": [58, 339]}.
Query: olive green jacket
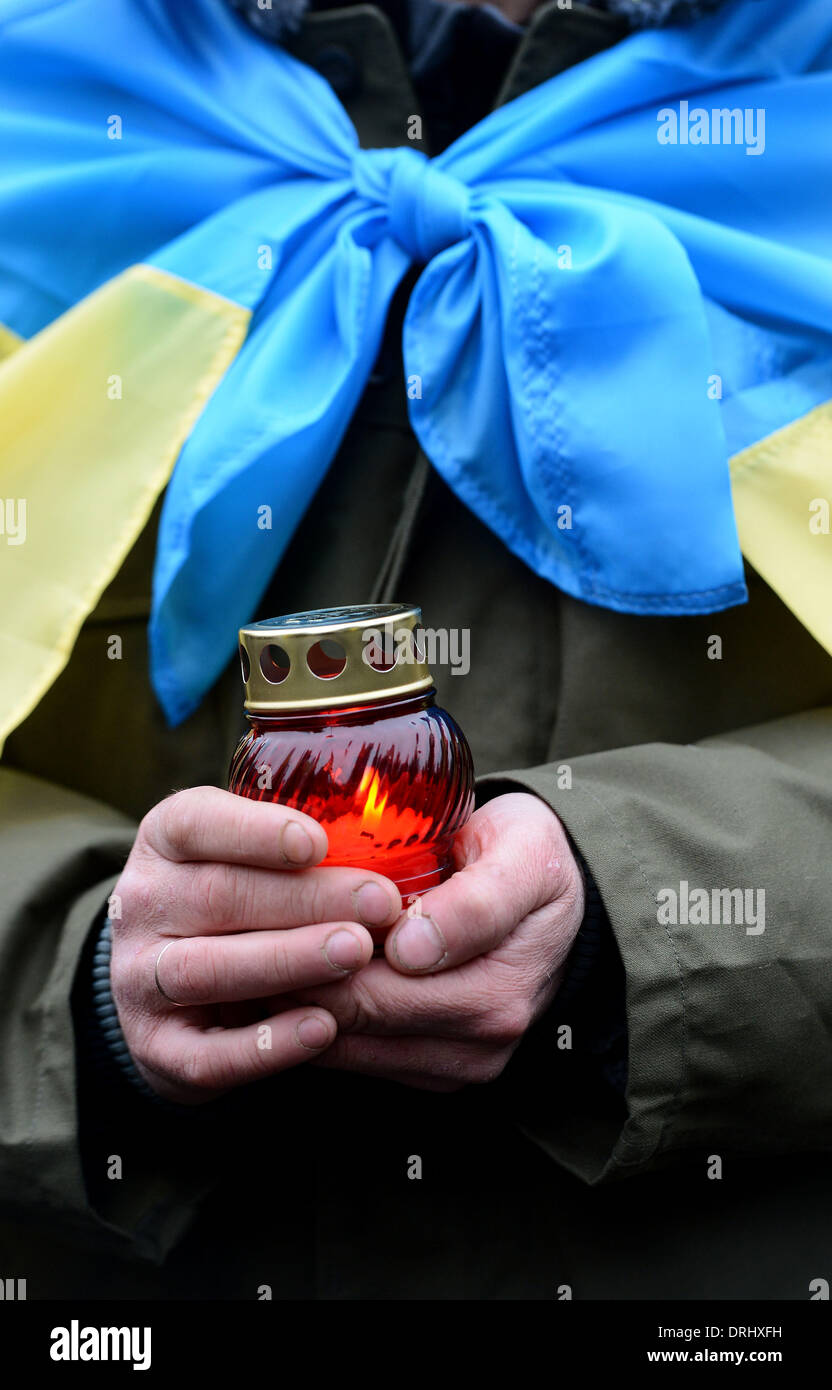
{"type": "Point", "coordinates": [672, 759]}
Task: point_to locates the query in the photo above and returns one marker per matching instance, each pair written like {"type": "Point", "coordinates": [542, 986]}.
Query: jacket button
{"type": "Point", "coordinates": [338, 67]}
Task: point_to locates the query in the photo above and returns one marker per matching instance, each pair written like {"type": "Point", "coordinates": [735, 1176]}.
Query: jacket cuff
{"type": "Point", "coordinates": [579, 1049]}
{"type": "Point", "coordinates": [594, 987]}
{"type": "Point", "coordinates": [588, 945]}
{"type": "Point", "coordinates": [593, 984]}
{"type": "Point", "coordinates": [106, 1049]}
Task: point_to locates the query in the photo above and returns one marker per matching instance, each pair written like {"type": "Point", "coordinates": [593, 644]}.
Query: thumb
{"type": "Point", "coordinates": [513, 857]}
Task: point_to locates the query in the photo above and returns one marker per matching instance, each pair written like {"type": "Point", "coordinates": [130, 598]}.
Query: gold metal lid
{"type": "Point", "coordinates": [329, 657]}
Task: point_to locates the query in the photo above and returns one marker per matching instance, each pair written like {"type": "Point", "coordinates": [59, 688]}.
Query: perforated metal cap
{"type": "Point", "coordinates": [329, 657]}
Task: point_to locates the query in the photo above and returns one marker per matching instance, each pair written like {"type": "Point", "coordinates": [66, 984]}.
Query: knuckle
{"type": "Point", "coordinates": [190, 973]}
{"type": "Point", "coordinates": [317, 898]}
{"type": "Point", "coordinates": [512, 1021]}
{"type": "Point", "coordinates": [307, 898]}
{"type": "Point", "coordinates": [199, 1069]}
{"type": "Point", "coordinates": [145, 1044]}
{"type": "Point", "coordinates": [173, 826]}
{"type": "Point", "coordinates": [132, 982]}
{"type": "Point", "coordinates": [139, 900]}
{"type": "Point", "coordinates": [482, 1005]}
{"type": "Point", "coordinates": [506, 1022]}
{"type": "Point", "coordinates": [480, 1017]}
{"type": "Point", "coordinates": [482, 907]}
{"type": "Point", "coordinates": [488, 1068]}
{"type": "Point", "coordinates": [359, 1011]}
{"type": "Point", "coordinates": [215, 896]}
{"type": "Point", "coordinates": [284, 965]}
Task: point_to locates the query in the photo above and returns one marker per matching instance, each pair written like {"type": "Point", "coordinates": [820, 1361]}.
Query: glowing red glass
{"type": "Point", "coordinates": [391, 781]}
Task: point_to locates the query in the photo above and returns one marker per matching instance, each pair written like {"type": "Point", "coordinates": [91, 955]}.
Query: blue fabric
{"type": "Point", "coordinates": [542, 387]}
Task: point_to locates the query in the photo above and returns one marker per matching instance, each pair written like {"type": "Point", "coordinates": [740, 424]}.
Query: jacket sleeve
{"type": "Point", "coordinates": [60, 857]}
{"type": "Point", "coordinates": [714, 863]}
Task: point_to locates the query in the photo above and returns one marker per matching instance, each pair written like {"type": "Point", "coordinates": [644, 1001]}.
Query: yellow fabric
{"type": "Point", "coordinates": [780, 486]}
{"type": "Point", "coordinates": [93, 413]}
{"type": "Point", "coordinates": [8, 341]}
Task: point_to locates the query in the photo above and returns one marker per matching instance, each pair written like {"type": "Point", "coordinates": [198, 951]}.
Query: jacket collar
{"type": "Point", "coordinates": [276, 18]}
{"type": "Point", "coordinates": [364, 54]}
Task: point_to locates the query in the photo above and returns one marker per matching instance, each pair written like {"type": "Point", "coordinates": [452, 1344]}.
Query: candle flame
{"type": "Point", "coordinates": [373, 804]}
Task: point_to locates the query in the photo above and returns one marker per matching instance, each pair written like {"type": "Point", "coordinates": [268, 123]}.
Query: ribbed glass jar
{"type": "Point", "coordinates": [390, 778]}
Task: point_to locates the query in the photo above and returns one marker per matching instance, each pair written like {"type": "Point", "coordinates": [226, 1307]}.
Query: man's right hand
{"type": "Point", "coordinates": [221, 906]}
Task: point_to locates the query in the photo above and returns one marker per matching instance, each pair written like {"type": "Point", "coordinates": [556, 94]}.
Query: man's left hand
{"type": "Point", "coordinates": [472, 964]}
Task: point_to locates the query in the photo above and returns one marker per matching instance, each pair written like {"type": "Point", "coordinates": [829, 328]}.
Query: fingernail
{"type": "Point", "coordinates": [296, 843]}
{"type": "Point", "coordinates": [419, 944]}
{"type": "Point", "coordinates": [312, 1033]}
{"type": "Point", "coordinates": [343, 950]}
{"type": "Point", "coordinates": [373, 904]}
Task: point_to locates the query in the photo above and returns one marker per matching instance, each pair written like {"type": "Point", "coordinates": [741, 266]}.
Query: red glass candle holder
{"type": "Point", "coordinates": [344, 726]}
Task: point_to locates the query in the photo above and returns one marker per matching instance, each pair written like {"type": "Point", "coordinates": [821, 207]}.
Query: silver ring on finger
{"type": "Point", "coordinates": [159, 985]}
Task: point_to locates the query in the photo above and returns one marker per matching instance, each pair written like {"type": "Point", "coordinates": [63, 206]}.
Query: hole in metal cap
{"type": "Point", "coordinates": [380, 650]}
{"type": "Point", "coordinates": [274, 663]}
{"type": "Point", "coordinates": [326, 659]}
{"type": "Point", "coordinates": [245, 664]}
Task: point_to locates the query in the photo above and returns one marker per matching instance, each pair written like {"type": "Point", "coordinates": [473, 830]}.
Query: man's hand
{"type": "Point", "coordinates": [220, 907]}
{"type": "Point", "coordinates": [464, 980]}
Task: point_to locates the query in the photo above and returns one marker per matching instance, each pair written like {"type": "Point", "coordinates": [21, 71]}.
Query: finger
{"type": "Point", "coordinates": [205, 823]}
{"type": "Point", "coordinates": [193, 1063]}
{"type": "Point", "coordinates": [427, 1063]}
{"type": "Point", "coordinates": [226, 969]}
{"type": "Point", "coordinates": [232, 897]}
{"type": "Point", "coordinates": [511, 852]}
{"type": "Point", "coordinates": [383, 1003]}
